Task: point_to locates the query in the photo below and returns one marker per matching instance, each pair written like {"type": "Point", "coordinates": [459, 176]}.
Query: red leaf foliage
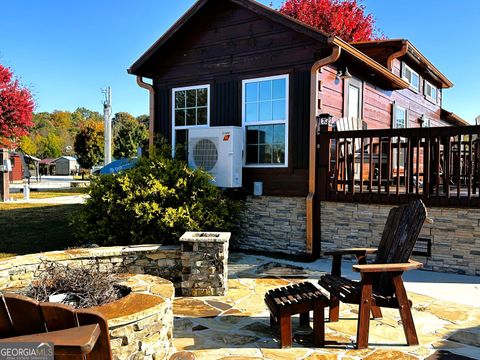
{"type": "Point", "coordinates": [16, 109]}
{"type": "Point", "coordinates": [343, 18]}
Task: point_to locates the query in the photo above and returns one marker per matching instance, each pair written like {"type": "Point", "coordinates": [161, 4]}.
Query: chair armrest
{"type": "Point", "coordinates": [352, 251]}
{"type": "Point", "coordinates": [73, 341]}
{"type": "Point", "coordinates": [396, 267]}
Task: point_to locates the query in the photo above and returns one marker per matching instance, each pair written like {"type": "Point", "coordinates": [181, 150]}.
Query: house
{"type": "Point", "coordinates": [66, 165]}
{"type": "Point", "coordinates": [47, 166]}
{"type": "Point", "coordinates": [23, 166]}
{"type": "Point", "coordinates": [237, 62]}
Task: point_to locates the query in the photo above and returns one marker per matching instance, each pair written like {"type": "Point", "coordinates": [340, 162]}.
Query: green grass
{"type": "Point", "coordinates": [45, 194]}
{"type": "Point", "coordinates": [31, 228]}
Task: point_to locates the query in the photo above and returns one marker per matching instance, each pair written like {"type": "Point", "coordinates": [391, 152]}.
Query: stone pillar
{"type": "Point", "coordinates": [4, 177]}
{"type": "Point", "coordinates": [204, 263]}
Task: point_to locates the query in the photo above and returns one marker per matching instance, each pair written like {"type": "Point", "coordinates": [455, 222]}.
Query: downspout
{"type": "Point", "coordinates": [151, 122]}
{"type": "Point", "coordinates": [314, 110]}
{"type": "Point", "coordinates": [396, 55]}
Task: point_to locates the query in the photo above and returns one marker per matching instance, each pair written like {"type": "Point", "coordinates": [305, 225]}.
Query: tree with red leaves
{"type": "Point", "coordinates": [16, 109]}
{"type": "Point", "coordinates": [343, 18]}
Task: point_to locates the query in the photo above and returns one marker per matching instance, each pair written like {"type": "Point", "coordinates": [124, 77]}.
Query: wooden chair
{"type": "Point", "coordinates": [76, 334]}
{"type": "Point", "coordinates": [381, 282]}
{"type": "Point", "coordinates": [350, 150]}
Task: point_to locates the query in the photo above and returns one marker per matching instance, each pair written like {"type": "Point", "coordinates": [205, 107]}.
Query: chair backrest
{"type": "Point", "coordinates": [347, 124]}
{"type": "Point", "coordinates": [400, 234]}
{"type": "Point", "coordinates": [21, 315]}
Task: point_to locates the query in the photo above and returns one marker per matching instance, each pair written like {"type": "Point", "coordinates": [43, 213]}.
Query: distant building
{"type": "Point", "coordinates": [66, 165]}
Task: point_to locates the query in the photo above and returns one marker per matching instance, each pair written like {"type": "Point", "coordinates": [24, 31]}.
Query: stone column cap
{"type": "Point", "coordinates": [206, 236]}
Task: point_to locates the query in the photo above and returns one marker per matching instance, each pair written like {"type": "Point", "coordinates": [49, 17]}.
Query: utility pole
{"type": "Point", "coordinates": [107, 116]}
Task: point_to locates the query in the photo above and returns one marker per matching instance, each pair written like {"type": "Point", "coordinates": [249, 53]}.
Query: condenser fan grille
{"type": "Point", "coordinates": [205, 154]}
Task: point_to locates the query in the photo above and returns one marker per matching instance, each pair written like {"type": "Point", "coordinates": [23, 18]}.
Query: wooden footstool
{"type": "Point", "coordinates": [297, 299]}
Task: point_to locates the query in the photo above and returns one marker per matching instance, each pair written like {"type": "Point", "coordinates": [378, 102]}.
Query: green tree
{"type": "Point", "coordinates": [51, 146]}
{"type": "Point", "coordinates": [128, 135]}
{"type": "Point", "coordinates": [81, 114]}
{"type": "Point", "coordinates": [88, 144]}
{"type": "Point", "coordinates": [28, 146]}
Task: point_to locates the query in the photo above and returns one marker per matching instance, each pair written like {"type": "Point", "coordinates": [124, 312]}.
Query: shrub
{"type": "Point", "coordinates": [155, 202]}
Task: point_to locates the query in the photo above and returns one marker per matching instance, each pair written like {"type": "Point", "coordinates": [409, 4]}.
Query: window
{"type": "Point", "coordinates": [191, 108]}
{"type": "Point", "coordinates": [400, 118]}
{"type": "Point", "coordinates": [265, 119]}
{"type": "Point", "coordinates": [411, 76]}
{"type": "Point", "coordinates": [430, 91]}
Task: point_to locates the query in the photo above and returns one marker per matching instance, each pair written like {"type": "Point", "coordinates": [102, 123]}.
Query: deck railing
{"type": "Point", "coordinates": [440, 165]}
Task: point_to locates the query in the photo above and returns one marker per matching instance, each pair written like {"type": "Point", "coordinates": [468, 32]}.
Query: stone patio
{"type": "Point", "coordinates": [236, 326]}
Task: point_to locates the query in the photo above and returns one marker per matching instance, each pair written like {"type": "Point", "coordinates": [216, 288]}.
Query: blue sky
{"type": "Point", "coordinates": [66, 51]}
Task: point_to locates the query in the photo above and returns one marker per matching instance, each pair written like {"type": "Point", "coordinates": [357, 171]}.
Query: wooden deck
{"type": "Point", "coordinates": [439, 165]}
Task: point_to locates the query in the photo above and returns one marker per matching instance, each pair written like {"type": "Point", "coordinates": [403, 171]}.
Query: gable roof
{"type": "Point", "coordinates": [393, 49]}
{"type": "Point", "coordinates": [252, 5]}
{"type": "Point", "coordinates": [390, 79]}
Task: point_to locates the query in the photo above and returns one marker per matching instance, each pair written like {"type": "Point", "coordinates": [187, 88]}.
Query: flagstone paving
{"type": "Point", "coordinates": [236, 326]}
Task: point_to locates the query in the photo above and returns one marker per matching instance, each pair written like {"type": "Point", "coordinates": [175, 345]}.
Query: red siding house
{"type": "Point", "coordinates": [240, 63]}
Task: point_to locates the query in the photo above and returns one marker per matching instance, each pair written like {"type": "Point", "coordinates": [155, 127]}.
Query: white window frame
{"type": "Point", "coordinates": [397, 108]}
{"type": "Point", "coordinates": [186, 127]}
{"type": "Point", "coordinates": [273, 122]}
{"type": "Point", "coordinates": [428, 83]}
{"type": "Point", "coordinates": [404, 77]}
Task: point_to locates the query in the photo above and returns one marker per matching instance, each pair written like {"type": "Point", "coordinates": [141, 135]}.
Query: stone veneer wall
{"type": "Point", "coordinates": [455, 233]}
{"type": "Point", "coordinates": [184, 267]}
{"type": "Point", "coordinates": [272, 224]}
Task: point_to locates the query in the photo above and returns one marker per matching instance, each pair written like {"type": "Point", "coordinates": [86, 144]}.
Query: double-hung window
{"type": "Point", "coordinates": [265, 120]}
{"type": "Point", "coordinates": [408, 74]}
{"type": "Point", "coordinates": [430, 91]}
{"type": "Point", "coordinates": [191, 108]}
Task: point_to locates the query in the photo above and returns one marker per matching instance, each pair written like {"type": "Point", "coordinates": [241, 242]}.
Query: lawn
{"type": "Point", "coordinates": [31, 228]}
{"type": "Point", "coordinates": [49, 193]}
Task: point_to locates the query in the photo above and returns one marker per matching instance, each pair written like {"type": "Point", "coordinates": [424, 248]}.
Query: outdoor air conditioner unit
{"type": "Point", "coordinates": [217, 150]}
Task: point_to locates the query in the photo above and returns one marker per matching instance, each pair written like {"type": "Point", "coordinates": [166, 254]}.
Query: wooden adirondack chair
{"type": "Point", "coordinates": [350, 150]}
{"type": "Point", "coordinates": [381, 282]}
{"type": "Point", "coordinates": [76, 334]}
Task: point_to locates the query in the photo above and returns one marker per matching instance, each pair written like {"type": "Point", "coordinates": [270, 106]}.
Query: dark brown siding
{"type": "Point", "coordinates": [230, 44]}
{"type": "Point", "coordinates": [378, 103]}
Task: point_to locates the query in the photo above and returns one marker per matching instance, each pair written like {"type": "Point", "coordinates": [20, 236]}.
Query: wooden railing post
{"type": "Point", "coordinates": [323, 161]}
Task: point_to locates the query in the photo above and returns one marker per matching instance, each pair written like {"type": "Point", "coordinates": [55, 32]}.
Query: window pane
{"type": "Point", "coordinates": [279, 91]}
{"type": "Point", "coordinates": [191, 116]}
{"type": "Point", "coordinates": [279, 134]}
{"type": "Point", "coordinates": [251, 92]}
{"type": "Point", "coordinates": [265, 90]}
{"type": "Point", "coordinates": [252, 154]}
{"type": "Point", "coordinates": [400, 118]}
{"type": "Point", "coordinates": [202, 116]}
{"type": "Point", "coordinates": [265, 134]}
{"type": "Point", "coordinates": [415, 80]}
{"type": "Point", "coordinates": [181, 148]}
{"type": "Point", "coordinates": [265, 154]}
{"type": "Point", "coordinates": [278, 154]}
{"type": "Point", "coordinates": [202, 97]}
{"type": "Point", "coordinates": [252, 135]}
{"type": "Point", "coordinates": [179, 117]}
{"type": "Point", "coordinates": [279, 110]}
{"type": "Point", "coordinates": [265, 111]}
{"type": "Point", "coordinates": [179, 99]}
{"type": "Point", "coordinates": [191, 98]}
{"type": "Point", "coordinates": [353, 102]}
{"type": "Point", "coordinates": [251, 112]}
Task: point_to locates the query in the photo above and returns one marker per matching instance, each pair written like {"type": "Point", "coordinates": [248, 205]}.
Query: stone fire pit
{"type": "Point", "coordinates": [141, 323]}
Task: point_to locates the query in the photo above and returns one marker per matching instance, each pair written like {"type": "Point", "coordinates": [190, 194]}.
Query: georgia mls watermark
{"type": "Point", "coordinates": [26, 351]}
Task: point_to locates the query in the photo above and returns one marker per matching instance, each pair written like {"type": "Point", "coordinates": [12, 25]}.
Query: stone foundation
{"type": "Point", "coordinates": [272, 224]}
{"type": "Point", "coordinates": [455, 233]}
